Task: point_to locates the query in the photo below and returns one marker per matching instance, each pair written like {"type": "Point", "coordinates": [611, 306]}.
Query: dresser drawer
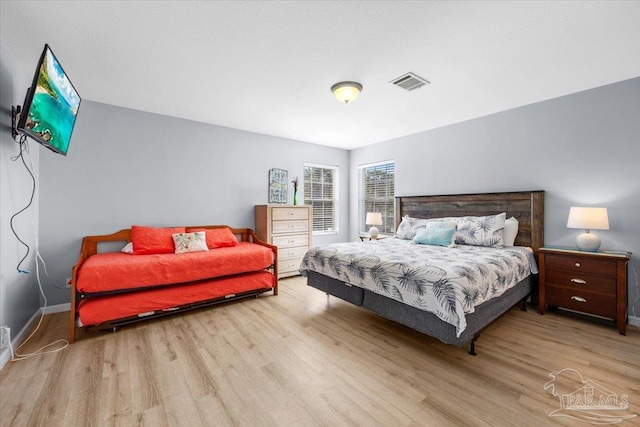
{"type": "Point", "coordinates": [588, 302]}
{"type": "Point", "coordinates": [580, 264]}
{"type": "Point", "coordinates": [289, 265]}
{"type": "Point", "coordinates": [293, 252]}
{"type": "Point", "coordinates": [581, 282]}
{"type": "Point", "coordinates": [296, 226]}
{"type": "Point", "coordinates": [280, 214]}
{"type": "Point", "coordinates": [290, 241]}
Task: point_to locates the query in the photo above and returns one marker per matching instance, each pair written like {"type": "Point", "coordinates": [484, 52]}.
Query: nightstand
{"type": "Point", "coordinates": [366, 236]}
{"type": "Point", "coordinates": [589, 282]}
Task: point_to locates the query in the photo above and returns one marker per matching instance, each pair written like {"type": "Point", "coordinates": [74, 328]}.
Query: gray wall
{"type": "Point", "coordinates": [18, 292]}
{"type": "Point", "coordinates": [582, 149]}
{"type": "Point", "coordinates": [129, 167]}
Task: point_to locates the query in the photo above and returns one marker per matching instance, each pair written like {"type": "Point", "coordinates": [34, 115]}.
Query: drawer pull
{"type": "Point", "coordinates": [577, 264]}
{"type": "Point", "coordinates": [579, 281]}
{"type": "Point", "coordinates": [579, 299]}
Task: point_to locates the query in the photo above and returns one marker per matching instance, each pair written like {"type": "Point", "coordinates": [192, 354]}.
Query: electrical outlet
{"type": "Point", "coordinates": [5, 338]}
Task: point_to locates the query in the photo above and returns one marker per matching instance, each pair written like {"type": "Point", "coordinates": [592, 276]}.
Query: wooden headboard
{"type": "Point", "coordinates": [526, 206]}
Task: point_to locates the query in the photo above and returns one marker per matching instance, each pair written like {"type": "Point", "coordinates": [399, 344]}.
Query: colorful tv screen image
{"type": "Point", "coordinates": [54, 106]}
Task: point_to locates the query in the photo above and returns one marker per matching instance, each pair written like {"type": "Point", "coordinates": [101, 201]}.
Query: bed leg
{"type": "Point", "coordinates": [472, 350]}
{"type": "Point", "coordinates": [523, 307]}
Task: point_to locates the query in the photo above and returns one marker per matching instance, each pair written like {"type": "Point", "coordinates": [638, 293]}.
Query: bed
{"type": "Point", "coordinates": [153, 276]}
{"type": "Point", "coordinates": [412, 284]}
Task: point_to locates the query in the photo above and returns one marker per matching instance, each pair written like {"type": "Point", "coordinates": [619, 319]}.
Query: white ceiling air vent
{"type": "Point", "coordinates": [409, 81]}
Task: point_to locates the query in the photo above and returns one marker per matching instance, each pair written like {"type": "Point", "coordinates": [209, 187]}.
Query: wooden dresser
{"type": "Point", "coordinates": [290, 229]}
{"type": "Point", "coordinates": [589, 282]}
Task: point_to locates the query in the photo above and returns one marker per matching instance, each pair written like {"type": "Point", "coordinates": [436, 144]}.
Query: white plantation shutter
{"type": "Point", "coordinates": [377, 194]}
{"type": "Point", "coordinates": [320, 192]}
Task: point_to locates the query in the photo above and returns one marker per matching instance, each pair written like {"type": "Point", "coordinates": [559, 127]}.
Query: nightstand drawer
{"type": "Point", "coordinates": [581, 264]}
{"type": "Point", "coordinates": [585, 301]}
{"type": "Point", "coordinates": [290, 226]}
{"type": "Point", "coordinates": [280, 214]}
{"type": "Point", "coordinates": [291, 241]}
{"type": "Point", "coordinates": [581, 282]}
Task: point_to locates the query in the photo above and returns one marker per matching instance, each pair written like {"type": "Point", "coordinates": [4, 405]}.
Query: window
{"type": "Point", "coordinates": [321, 193]}
{"type": "Point", "coordinates": [377, 195]}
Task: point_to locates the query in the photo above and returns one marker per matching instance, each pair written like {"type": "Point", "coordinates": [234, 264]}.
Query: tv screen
{"type": "Point", "coordinates": [51, 105]}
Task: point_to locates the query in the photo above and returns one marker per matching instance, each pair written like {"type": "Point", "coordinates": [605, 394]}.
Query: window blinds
{"type": "Point", "coordinates": [377, 194]}
{"type": "Point", "coordinates": [320, 193]}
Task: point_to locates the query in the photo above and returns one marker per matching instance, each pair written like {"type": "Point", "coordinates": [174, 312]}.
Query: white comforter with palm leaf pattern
{"type": "Point", "coordinates": [447, 282]}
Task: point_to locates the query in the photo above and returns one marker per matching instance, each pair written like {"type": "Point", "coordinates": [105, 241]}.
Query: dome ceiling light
{"type": "Point", "coordinates": [346, 91]}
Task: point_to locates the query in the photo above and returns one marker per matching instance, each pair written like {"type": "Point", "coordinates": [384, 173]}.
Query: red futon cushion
{"type": "Point", "coordinates": [118, 271]}
{"type": "Point", "coordinates": [153, 240]}
{"type": "Point", "coordinates": [218, 237]}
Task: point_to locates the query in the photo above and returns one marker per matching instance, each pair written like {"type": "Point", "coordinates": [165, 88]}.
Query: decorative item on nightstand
{"type": "Point", "coordinates": [589, 219]}
{"type": "Point", "coordinates": [373, 219]}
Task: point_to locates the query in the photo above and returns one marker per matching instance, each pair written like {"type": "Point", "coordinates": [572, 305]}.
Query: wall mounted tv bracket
{"type": "Point", "coordinates": [15, 114]}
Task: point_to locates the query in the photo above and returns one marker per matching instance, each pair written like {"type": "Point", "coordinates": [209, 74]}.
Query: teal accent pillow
{"type": "Point", "coordinates": [435, 236]}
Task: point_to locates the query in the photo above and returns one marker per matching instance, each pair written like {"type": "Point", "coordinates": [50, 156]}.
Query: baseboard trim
{"type": "Point", "coordinates": [5, 356]}
{"type": "Point", "coordinates": [634, 321]}
{"type": "Point", "coordinates": [56, 308]}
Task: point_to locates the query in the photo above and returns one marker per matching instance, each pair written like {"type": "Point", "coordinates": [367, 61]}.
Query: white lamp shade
{"type": "Point", "coordinates": [373, 218]}
{"type": "Point", "coordinates": [588, 218]}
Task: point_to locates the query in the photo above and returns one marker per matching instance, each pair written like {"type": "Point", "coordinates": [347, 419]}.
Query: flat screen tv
{"type": "Point", "coordinates": [51, 105]}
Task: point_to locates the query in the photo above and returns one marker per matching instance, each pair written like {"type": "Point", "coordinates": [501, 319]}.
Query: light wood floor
{"type": "Point", "coordinates": [305, 359]}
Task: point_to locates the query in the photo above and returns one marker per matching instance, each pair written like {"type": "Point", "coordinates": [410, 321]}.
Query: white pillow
{"type": "Point", "coordinates": [128, 248]}
{"type": "Point", "coordinates": [190, 242]}
{"type": "Point", "coordinates": [510, 231]}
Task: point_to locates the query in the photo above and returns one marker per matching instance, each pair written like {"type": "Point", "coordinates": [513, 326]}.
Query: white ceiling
{"type": "Point", "coordinates": [267, 66]}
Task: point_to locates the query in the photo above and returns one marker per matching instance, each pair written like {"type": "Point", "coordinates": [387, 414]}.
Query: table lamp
{"type": "Point", "coordinates": [589, 219]}
{"type": "Point", "coordinates": [373, 219]}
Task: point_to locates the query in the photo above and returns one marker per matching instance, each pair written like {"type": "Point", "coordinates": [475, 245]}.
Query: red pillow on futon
{"type": "Point", "coordinates": [218, 237]}
{"type": "Point", "coordinates": [153, 240]}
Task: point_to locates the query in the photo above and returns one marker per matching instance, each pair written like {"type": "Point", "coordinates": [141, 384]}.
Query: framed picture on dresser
{"type": "Point", "coordinates": [278, 186]}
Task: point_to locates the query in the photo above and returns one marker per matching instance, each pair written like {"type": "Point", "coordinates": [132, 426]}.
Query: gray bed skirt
{"type": "Point", "coordinates": [420, 320]}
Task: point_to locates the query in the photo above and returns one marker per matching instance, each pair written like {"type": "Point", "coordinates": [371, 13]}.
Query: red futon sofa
{"type": "Point", "coordinates": [161, 271]}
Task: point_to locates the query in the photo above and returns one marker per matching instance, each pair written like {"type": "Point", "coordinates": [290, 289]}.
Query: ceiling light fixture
{"type": "Point", "coordinates": [346, 91]}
